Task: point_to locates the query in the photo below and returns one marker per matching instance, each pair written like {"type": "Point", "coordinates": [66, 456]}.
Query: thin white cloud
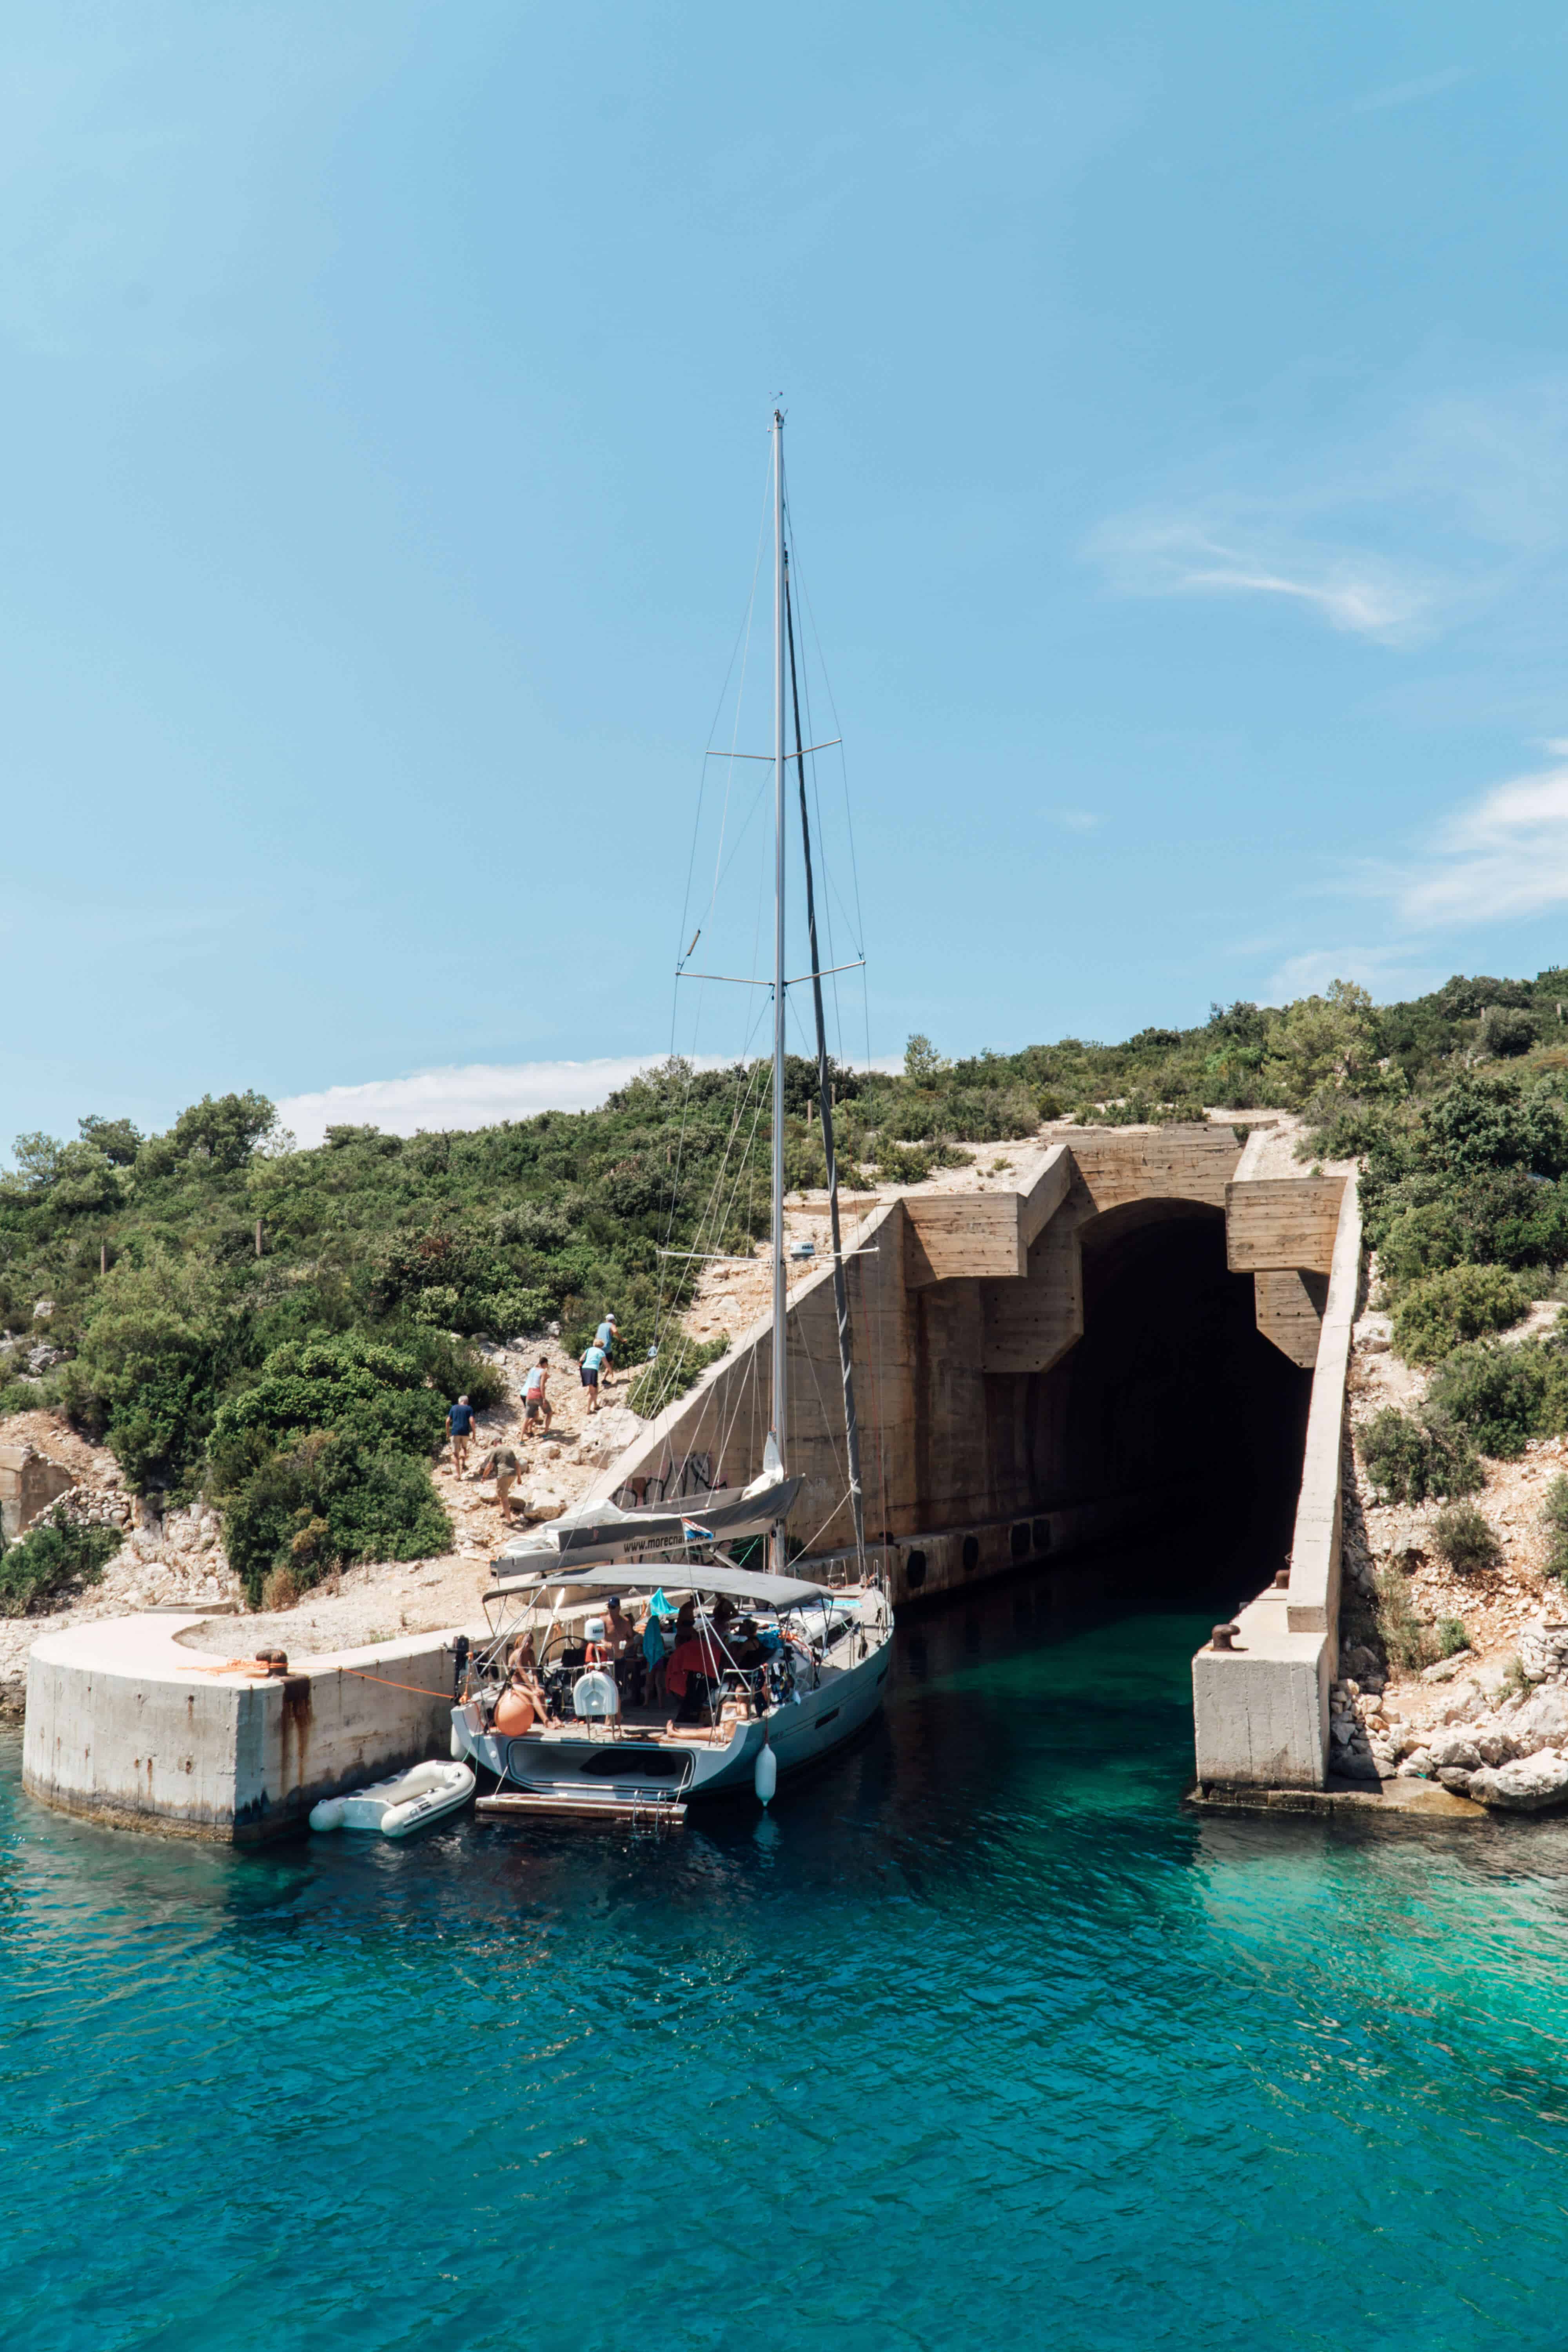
{"type": "Point", "coordinates": [480, 1094]}
{"type": "Point", "coordinates": [1506, 856]}
{"type": "Point", "coordinates": [1386, 971]}
{"type": "Point", "coordinates": [1074, 820]}
{"type": "Point", "coordinates": [1407, 93]}
{"type": "Point", "coordinates": [1172, 556]}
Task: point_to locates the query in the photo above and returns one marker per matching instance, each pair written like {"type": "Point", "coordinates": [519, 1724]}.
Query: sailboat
{"type": "Point", "coordinates": [566, 1716]}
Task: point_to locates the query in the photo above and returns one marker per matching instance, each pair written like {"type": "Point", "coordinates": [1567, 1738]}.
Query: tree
{"type": "Point", "coordinates": [1319, 1041]}
{"type": "Point", "coordinates": [923, 1065]}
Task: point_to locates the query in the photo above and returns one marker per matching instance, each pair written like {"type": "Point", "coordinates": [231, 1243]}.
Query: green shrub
{"type": "Point", "coordinates": [680, 1361]}
{"type": "Point", "coordinates": [1554, 1519]}
{"type": "Point", "coordinates": [1505, 1030]}
{"type": "Point", "coordinates": [1408, 1641]}
{"type": "Point", "coordinates": [53, 1557]}
{"type": "Point", "coordinates": [1466, 1538]}
{"type": "Point", "coordinates": [1409, 1460]}
{"type": "Point", "coordinates": [1441, 1311]}
{"type": "Point", "coordinates": [155, 1346]}
{"type": "Point", "coordinates": [326, 1501]}
{"type": "Point", "coordinates": [899, 1163]}
{"type": "Point", "coordinates": [352, 1386]}
{"type": "Point", "coordinates": [1502, 1396]}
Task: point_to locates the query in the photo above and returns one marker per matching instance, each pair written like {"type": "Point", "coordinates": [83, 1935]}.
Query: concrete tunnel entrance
{"type": "Point", "coordinates": [1172, 1386]}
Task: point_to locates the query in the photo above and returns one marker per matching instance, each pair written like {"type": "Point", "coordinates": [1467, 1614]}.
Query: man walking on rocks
{"type": "Point", "coordinates": [506, 1477]}
{"type": "Point", "coordinates": [536, 1410]}
{"type": "Point", "coordinates": [460, 1429]}
{"type": "Point", "coordinates": [594, 1362]}
{"type": "Point", "coordinates": [604, 1337]}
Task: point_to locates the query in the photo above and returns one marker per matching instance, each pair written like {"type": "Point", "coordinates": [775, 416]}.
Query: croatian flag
{"type": "Point", "coordinates": [694, 1534]}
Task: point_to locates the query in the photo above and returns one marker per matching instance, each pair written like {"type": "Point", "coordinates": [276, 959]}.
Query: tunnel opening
{"type": "Point", "coordinates": [1172, 1392]}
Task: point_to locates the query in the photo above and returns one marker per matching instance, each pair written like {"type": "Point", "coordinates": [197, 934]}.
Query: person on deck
{"type": "Point", "coordinates": [460, 1429]}
{"type": "Point", "coordinates": [626, 1652]}
{"type": "Point", "coordinates": [694, 1668]}
{"type": "Point", "coordinates": [536, 1408]}
{"type": "Point", "coordinates": [594, 1362]}
{"type": "Point", "coordinates": [654, 1657]}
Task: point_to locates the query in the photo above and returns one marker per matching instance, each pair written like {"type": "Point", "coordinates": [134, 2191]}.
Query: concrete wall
{"type": "Point", "coordinates": [128, 1726]}
{"type": "Point", "coordinates": [1261, 1710]}
{"type": "Point", "coordinates": [961, 1306]}
{"type": "Point", "coordinates": [28, 1485]}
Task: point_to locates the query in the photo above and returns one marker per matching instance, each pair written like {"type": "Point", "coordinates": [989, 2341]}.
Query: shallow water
{"type": "Point", "coordinates": [978, 2039]}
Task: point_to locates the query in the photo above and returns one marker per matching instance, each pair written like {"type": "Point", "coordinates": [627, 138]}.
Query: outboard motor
{"type": "Point", "coordinates": [459, 1665]}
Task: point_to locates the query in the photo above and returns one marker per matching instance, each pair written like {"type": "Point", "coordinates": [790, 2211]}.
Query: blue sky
{"type": "Point", "coordinates": [1178, 427]}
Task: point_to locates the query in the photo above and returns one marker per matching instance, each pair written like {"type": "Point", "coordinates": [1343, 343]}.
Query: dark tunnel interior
{"type": "Point", "coordinates": [1172, 1381]}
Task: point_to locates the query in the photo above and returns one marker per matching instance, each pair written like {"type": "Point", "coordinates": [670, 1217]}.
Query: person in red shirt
{"type": "Point", "coordinates": [691, 1669]}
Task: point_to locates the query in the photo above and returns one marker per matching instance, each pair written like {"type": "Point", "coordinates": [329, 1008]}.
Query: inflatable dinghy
{"type": "Point", "coordinates": [408, 1801]}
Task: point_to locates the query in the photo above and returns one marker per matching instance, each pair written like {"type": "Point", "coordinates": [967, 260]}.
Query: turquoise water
{"type": "Point", "coordinates": [978, 2039]}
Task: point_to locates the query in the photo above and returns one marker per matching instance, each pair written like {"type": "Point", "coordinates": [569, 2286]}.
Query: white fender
{"type": "Point", "coordinates": [766, 1778]}
{"type": "Point", "coordinates": [595, 1694]}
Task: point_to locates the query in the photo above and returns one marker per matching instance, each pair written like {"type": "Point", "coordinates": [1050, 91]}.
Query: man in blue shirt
{"type": "Point", "coordinates": [604, 1337]}
{"type": "Point", "coordinates": [460, 1429]}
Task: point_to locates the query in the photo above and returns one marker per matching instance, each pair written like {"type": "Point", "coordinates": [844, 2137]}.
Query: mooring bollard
{"type": "Point", "coordinates": [1223, 1637]}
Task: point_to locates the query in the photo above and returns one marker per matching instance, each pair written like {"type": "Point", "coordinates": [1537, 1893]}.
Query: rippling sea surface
{"type": "Point", "coordinates": [978, 2039]}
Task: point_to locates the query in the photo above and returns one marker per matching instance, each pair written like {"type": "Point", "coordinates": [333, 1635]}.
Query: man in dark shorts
{"type": "Point", "coordinates": [593, 1363]}
{"type": "Point", "coordinates": [460, 1429]}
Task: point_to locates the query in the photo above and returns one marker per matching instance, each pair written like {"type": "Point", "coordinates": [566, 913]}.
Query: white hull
{"type": "Point", "coordinates": [408, 1801]}
{"type": "Point", "coordinates": [577, 1757]}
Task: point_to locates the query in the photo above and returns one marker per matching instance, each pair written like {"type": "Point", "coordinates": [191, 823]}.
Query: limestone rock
{"type": "Point", "coordinates": [1456, 1777]}
{"type": "Point", "coordinates": [607, 1436]}
{"type": "Point", "coordinates": [1542, 1720]}
{"type": "Point", "coordinates": [1456, 1748]}
{"type": "Point", "coordinates": [1543, 1651]}
{"type": "Point", "coordinates": [1447, 1668]}
{"type": "Point", "coordinates": [1528, 1785]}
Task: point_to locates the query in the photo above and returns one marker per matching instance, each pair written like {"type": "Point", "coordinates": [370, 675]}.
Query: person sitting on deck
{"type": "Point", "coordinates": [523, 1704]}
{"type": "Point", "coordinates": [746, 1646]}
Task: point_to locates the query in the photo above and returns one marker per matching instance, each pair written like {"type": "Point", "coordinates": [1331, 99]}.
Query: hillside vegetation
{"type": "Point", "coordinates": [302, 1384]}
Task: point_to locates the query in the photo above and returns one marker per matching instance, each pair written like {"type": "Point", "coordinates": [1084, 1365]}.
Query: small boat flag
{"type": "Point", "coordinates": [694, 1534]}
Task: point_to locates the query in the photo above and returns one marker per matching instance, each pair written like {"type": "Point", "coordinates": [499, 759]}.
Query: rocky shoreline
{"type": "Point", "coordinates": [1489, 1721]}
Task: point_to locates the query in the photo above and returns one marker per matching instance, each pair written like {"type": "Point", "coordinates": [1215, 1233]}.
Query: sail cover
{"type": "Point", "coordinates": [601, 1528]}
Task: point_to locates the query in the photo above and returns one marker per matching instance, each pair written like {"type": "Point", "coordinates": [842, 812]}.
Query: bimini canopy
{"type": "Point", "coordinates": [697, 1576]}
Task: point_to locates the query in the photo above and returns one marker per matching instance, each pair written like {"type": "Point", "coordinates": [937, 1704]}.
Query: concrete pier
{"type": "Point", "coordinates": [129, 1727]}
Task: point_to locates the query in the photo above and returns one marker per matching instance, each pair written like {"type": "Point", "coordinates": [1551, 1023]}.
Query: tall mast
{"type": "Point", "coordinates": [780, 1347]}
{"type": "Point", "coordinates": [824, 1112]}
